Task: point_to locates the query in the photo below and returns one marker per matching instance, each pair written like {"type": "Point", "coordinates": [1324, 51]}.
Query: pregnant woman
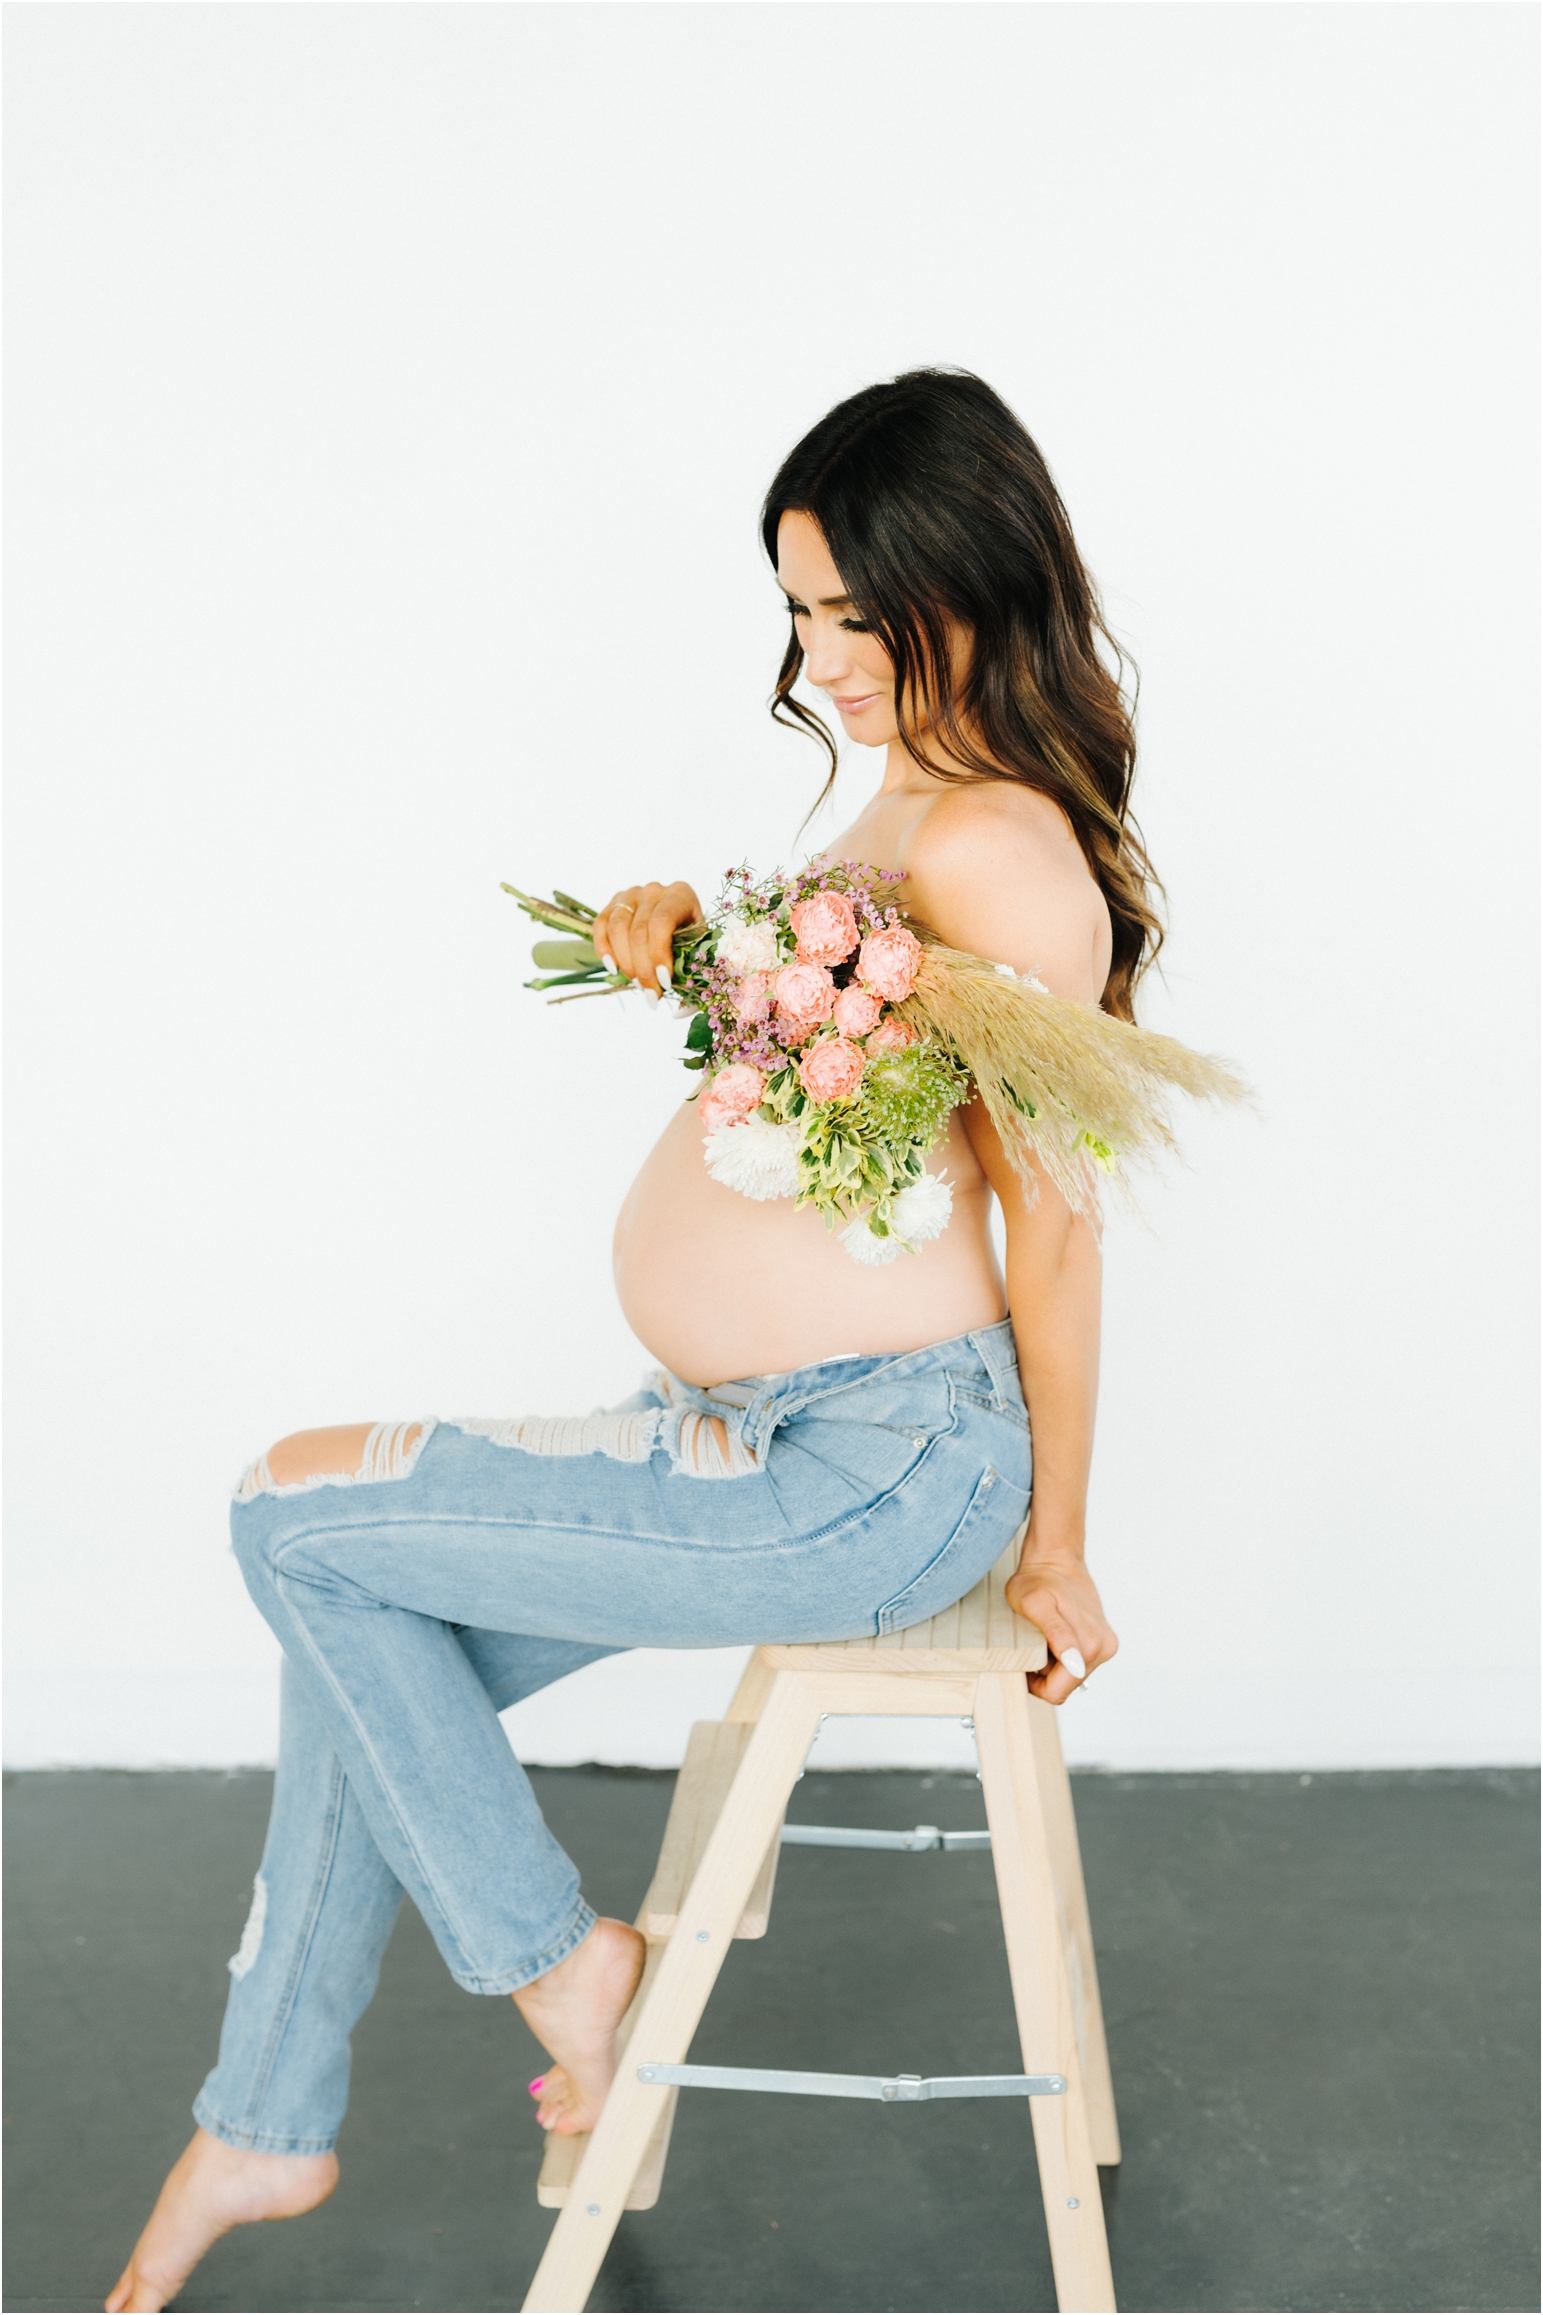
{"type": "Point", "coordinates": [829, 1449]}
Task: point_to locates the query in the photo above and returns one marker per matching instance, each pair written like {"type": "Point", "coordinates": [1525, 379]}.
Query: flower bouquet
{"type": "Point", "coordinates": [834, 1038]}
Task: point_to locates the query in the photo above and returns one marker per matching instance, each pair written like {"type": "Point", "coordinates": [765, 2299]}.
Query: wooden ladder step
{"type": "Point", "coordinates": [707, 1772]}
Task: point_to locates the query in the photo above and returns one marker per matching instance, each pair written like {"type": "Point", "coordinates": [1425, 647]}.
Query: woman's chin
{"type": "Point", "coordinates": [868, 728]}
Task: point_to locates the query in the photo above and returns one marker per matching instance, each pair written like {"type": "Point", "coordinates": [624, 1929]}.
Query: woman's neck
{"type": "Point", "coordinates": [903, 775]}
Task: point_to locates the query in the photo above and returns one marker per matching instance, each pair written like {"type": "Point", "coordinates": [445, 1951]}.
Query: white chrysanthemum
{"type": "Point", "coordinates": [757, 1158]}
{"type": "Point", "coordinates": [922, 1211]}
{"type": "Point", "coordinates": [863, 1246]}
{"type": "Point", "coordinates": [919, 1212]}
{"type": "Point", "coordinates": [748, 948]}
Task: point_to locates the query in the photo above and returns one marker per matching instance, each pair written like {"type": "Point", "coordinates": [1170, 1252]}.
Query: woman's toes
{"type": "Point", "coordinates": [132, 2293]}
{"type": "Point", "coordinates": [557, 2110]}
{"type": "Point", "coordinates": [212, 2188]}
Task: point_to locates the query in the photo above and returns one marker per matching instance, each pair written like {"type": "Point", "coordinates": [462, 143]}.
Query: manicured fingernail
{"type": "Point", "coordinates": [649, 991]}
{"type": "Point", "coordinates": [538, 2085]}
{"type": "Point", "coordinates": [608, 962]}
{"type": "Point", "coordinates": [662, 976]}
{"type": "Point", "coordinates": [1072, 1659]}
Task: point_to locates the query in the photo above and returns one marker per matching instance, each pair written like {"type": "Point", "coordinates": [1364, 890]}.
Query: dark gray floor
{"type": "Point", "coordinates": [1321, 2001]}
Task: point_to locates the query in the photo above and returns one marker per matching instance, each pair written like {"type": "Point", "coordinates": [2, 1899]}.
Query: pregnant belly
{"type": "Point", "coordinates": [718, 1286]}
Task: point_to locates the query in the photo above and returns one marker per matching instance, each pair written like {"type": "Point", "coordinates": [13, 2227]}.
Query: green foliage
{"type": "Point", "coordinates": [861, 1153]}
{"type": "Point", "coordinates": [562, 955]}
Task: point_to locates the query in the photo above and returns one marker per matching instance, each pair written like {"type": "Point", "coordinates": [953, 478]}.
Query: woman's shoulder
{"type": "Point", "coordinates": [994, 867]}
{"type": "Point", "coordinates": [975, 817]}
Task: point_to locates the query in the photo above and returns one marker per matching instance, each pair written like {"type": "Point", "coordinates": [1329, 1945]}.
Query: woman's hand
{"type": "Point", "coordinates": [636, 929]}
{"type": "Point", "coordinates": [1056, 1592]}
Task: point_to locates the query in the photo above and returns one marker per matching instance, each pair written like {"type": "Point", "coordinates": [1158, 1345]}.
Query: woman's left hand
{"type": "Point", "coordinates": [1056, 1592]}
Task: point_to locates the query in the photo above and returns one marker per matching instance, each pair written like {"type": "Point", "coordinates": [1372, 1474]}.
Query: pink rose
{"type": "Point", "coordinates": [891, 1037]}
{"type": "Point", "coordinates": [831, 1070]}
{"type": "Point", "coordinates": [857, 1011]}
{"type": "Point", "coordinates": [752, 1000]}
{"type": "Point", "coordinates": [715, 1113]}
{"type": "Point", "coordinates": [738, 1088]}
{"type": "Point", "coordinates": [826, 928]}
{"type": "Point", "coordinates": [888, 961]}
{"type": "Point", "coordinates": [806, 995]}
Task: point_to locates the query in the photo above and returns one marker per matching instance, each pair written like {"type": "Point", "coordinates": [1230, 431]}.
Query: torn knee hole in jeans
{"type": "Point", "coordinates": [390, 1451]}
{"type": "Point", "coordinates": [699, 1446]}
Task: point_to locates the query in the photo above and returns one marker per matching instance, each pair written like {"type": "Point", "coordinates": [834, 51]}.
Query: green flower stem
{"type": "Point", "coordinates": [572, 919]}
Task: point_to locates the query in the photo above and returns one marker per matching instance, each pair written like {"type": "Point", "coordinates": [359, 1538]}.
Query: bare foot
{"type": "Point", "coordinates": [574, 2012]}
{"type": "Point", "coordinates": [212, 2188]}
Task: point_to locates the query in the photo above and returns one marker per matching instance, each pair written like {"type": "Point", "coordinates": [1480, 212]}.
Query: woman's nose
{"type": "Point", "coordinates": [826, 659]}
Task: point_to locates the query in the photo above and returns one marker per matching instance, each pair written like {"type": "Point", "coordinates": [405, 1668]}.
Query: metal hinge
{"type": "Point", "coordinates": [892, 2089]}
{"type": "Point", "coordinates": [858, 1837]}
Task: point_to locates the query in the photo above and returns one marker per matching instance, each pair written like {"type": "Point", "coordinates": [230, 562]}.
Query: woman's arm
{"type": "Point", "coordinates": [1053, 1280]}
{"type": "Point", "coordinates": [995, 870]}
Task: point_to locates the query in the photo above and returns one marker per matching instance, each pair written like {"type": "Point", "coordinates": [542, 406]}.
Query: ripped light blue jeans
{"type": "Point", "coordinates": [468, 1564]}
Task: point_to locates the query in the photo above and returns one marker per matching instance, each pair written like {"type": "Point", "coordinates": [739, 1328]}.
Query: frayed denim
{"type": "Point", "coordinates": [471, 1564]}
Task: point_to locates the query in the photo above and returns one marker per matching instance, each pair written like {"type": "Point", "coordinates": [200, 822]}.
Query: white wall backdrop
{"type": "Point", "coordinates": [391, 393]}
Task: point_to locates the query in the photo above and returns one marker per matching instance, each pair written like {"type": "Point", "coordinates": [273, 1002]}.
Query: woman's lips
{"type": "Point", "coordinates": [853, 706]}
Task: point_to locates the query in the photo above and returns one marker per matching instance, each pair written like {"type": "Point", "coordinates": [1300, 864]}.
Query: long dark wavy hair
{"type": "Point", "coordinates": [934, 500]}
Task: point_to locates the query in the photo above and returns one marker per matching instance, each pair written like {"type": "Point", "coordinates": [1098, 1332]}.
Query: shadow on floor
{"type": "Point", "coordinates": [1321, 1999]}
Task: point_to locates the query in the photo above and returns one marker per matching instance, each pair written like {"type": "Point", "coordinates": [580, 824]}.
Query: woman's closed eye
{"type": "Point", "coordinates": [852, 626]}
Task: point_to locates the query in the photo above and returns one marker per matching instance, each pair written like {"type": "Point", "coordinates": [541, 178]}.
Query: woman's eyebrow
{"type": "Point", "coordinates": [826, 602]}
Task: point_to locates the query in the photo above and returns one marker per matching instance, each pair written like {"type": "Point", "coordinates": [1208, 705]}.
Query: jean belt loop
{"type": "Point", "coordinates": [761, 1418]}
{"type": "Point", "coordinates": [998, 1359]}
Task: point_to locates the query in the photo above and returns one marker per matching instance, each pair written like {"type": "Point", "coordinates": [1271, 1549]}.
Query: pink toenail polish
{"type": "Point", "coordinates": [538, 2086]}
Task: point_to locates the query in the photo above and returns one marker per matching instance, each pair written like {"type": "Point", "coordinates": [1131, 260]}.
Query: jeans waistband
{"type": "Point", "coordinates": [752, 1407]}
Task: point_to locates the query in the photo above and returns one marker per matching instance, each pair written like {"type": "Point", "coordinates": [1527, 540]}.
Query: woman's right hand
{"type": "Point", "coordinates": [635, 931]}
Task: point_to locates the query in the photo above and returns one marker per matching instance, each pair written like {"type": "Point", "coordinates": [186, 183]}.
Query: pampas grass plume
{"type": "Point", "coordinates": [1084, 1072]}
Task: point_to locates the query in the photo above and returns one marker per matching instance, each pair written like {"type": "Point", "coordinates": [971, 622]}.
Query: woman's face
{"type": "Point", "coordinates": [841, 657]}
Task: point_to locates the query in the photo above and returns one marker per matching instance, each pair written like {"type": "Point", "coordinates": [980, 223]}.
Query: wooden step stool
{"type": "Point", "coordinates": [714, 1882]}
